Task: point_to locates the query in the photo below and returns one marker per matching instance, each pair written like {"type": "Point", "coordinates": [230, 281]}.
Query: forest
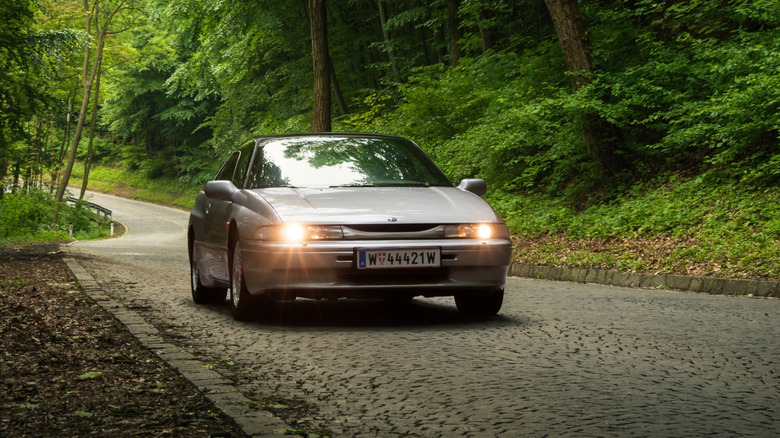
{"type": "Point", "coordinates": [561, 105]}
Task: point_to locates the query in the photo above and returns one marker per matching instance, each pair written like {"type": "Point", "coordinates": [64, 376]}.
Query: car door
{"type": "Point", "coordinates": [219, 213]}
{"type": "Point", "coordinates": [215, 231]}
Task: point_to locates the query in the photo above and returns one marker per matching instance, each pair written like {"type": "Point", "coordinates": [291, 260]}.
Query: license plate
{"type": "Point", "coordinates": [398, 258]}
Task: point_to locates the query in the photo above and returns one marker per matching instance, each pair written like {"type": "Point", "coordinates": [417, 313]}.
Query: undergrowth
{"type": "Point", "coordinates": [683, 225]}
{"type": "Point", "coordinates": [32, 217]}
{"type": "Point", "coordinates": [137, 185]}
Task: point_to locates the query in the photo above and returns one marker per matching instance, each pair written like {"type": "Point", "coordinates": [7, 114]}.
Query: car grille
{"type": "Point", "coordinates": [392, 228]}
{"type": "Point", "coordinates": [393, 231]}
{"type": "Point", "coordinates": [392, 277]}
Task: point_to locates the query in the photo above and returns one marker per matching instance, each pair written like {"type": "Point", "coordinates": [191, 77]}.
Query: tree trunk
{"type": "Point", "coordinates": [453, 28]}
{"type": "Point", "coordinates": [63, 147]}
{"type": "Point", "coordinates": [321, 120]}
{"type": "Point", "coordinates": [485, 33]}
{"type": "Point", "coordinates": [388, 40]}
{"type": "Point", "coordinates": [49, 146]}
{"type": "Point", "coordinates": [424, 43]}
{"type": "Point", "coordinates": [337, 89]}
{"type": "Point", "coordinates": [93, 122]}
{"type": "Point", "coordinates": [3, 163]}
{"type": "Point", "coordinates": [89, 80]}
{"type": "Point", "coordinates": [87, 83]}
{"type": "Point", "coordinates": [570, 26]}
{"type": "Point", "coordinates": [441, 41]}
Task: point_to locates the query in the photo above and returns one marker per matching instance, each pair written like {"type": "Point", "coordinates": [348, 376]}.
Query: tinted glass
{"type": "Point", "coordinates": [228, 168]}
{"type": "Point", "coordinates": [243, 164]}
{"type": "Point", "coordinates": [343, 162]}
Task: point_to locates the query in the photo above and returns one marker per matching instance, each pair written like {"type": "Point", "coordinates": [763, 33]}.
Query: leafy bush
{"type": "Point", "coordinates": [701, 221]}
{"type": "Point", "coordinates": [32, 216]}
{"type": "Point", "coordinates": [24, 214]}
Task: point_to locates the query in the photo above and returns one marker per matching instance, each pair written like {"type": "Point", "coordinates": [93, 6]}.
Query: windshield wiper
{"type": "Point", "coordinates": [387, 184]}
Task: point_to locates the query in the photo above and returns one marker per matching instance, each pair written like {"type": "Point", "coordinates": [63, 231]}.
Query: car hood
{"type": "Point", "coordinates": [378, 205]}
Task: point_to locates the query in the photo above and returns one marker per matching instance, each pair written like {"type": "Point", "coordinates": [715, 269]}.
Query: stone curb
{"type": "Point", "coordinates": [709, 285]}
{"type": "Point", "coordinates": [218, 390]}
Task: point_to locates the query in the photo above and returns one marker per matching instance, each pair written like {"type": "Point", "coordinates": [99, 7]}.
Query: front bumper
{"type": "Point", "coordinates": [328, 268]}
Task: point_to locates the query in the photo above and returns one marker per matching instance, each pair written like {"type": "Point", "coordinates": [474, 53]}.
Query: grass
{"type": "Point", "coordinates": [135, 185]}
{"type": "Point", "coordinates": [53, 233]}
{"type": "Point", "coordinates": [695, 226]}
{"type": "Point", "coordinates": [31, 216]}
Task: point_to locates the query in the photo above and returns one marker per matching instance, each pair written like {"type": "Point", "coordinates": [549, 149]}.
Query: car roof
{"type": "Point", "coordinates": [261, 138]}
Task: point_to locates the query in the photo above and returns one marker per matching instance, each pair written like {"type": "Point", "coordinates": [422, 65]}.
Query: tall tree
{"type": "Point", "coordinates": [388, 41]}
{"type": "Point", "coordinates": [92, 123]}
{"type": "Point", "coordinates": [88, 78]}
{"type": "Point", "coordinates": [28, 57]}
{"type": "Point", "coordinates": [570, 26]}
{"type": "Point", "coordinates": [321, 120]}
{"type": "Point", "coordinates": [86, 81]}
{"type": "Point", "coordinates": [453, 28]}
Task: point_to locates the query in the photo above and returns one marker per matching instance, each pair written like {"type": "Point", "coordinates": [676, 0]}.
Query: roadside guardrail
{"type": "Point", "coordinates": [99, 210]}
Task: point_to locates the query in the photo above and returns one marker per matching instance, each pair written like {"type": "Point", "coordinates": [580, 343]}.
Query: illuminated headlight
{"type": "Point", "coordinates": [293, 232]}
{"type": "Point", "coordinates": [476, 231]}
{"type": "Point", "coordinates": [299, 232]}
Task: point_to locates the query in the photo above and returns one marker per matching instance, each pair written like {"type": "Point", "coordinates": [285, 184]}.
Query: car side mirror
{"type": "Point", "coordinates": [220, 190]}
{"type": "Point", "coordinates": [474, 185]}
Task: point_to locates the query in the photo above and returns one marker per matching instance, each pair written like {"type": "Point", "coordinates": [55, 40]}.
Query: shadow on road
{"type": "Point", "coordinates": [371, 313]}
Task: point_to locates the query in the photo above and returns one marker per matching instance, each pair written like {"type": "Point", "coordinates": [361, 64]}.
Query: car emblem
{"type": "Point", "coordinates": [393, 219]}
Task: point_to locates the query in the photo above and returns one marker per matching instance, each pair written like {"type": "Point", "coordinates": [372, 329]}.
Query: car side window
{"type": "Point", "coordinates": [229, 168]}
{"type": "Point", "coordinates": [243, 163]}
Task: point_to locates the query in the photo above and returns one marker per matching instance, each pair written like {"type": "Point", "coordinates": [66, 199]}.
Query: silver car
{"type": "Point", "coordinates": [343, 215]}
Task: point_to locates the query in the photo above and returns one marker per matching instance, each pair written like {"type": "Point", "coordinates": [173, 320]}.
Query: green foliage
{"type": "Point", "coordinates": [29, 59]}
{"type": "Point", "coordinates": [139, 179]}
{"type": "Point", "coordinates": [694, 89]}
{"type": "Point", "coordinates": [674, 206]}
{"type": "Point", "coordinates": [681, 87]}
{"type": "Point", "coordinates": [22, 214]}
{"type": "Point", "coordinates": [141, 106]}
{"type": "Point", "coordinates": [32, 217]}
{"type": "Point", "coordinates": [688, 89]}
{"type": "Point", "coordinates": [139, 185]}
{"type": "Point", "coordinates": [719, 224]}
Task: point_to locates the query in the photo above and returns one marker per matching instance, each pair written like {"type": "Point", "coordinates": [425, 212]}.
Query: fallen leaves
{"type": "Point", "coordinates": [669, 254]}
{"type": "Point", "coordinates": [68, 368]}
{"type": "Point", "coordinates": [88, 376]}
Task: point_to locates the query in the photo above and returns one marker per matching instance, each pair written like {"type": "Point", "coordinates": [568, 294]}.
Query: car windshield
{"type": "Point", "coordinates": [343, 162]}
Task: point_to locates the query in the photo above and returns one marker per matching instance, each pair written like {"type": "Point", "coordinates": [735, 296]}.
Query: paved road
{"type": "Point", "coordinates": [561, 359]}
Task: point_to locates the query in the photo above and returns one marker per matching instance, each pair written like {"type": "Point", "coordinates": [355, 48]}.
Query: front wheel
{"type": "Point", "coordinates": [480, 304]}
{"type": "Point", "coordinates": [241, 301]}
{"type": "Point", "coordinates": [202, 294]}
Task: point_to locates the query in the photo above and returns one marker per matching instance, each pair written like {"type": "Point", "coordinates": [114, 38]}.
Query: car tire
{"type": "Point", "coordinates": [202, 294]}
{"type": "Point", "coordinates": [242, 303]}
{"type": "Point", "coordinates": [480, 304]}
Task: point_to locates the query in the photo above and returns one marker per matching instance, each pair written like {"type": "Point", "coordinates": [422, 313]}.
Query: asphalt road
{"type": "Point", "coordinates": [562, 359]}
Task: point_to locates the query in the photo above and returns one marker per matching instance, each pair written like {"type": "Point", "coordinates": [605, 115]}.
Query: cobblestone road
{"type": "Point", "coordinates": [561, 359]}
